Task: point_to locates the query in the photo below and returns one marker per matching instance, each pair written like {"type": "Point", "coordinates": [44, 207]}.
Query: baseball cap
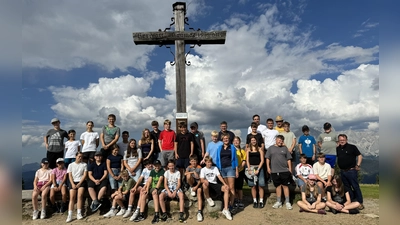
{"type": "Point", "coordinates": [59, 160]}
{"type": "Point", "coordinates": [54, 120]}
{"type": "Point", "coordinates": [312, 177]}
{"type": "Point", "coordinates": [45, 160]}
{"type": "Point", "coordinates": [194, 124]}
{"type": "Point", "coordinates": [157, 162]}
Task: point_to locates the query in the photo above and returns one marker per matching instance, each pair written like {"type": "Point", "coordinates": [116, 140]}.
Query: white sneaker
{"type": "Point", "coordinates": [127, 213]}
{"type": "Point", "coordinates": [192, 193]}
{"type": "Point", "coordinates": [43, 214]}
{"type": "Point", "coordinates": [35, 214]}
{"type": "Point", "coordinates": [227, 214]}
{"type": "Point", "coordinates": [121, 212]}
{"type": "Point", "coordinates": [277, 205]}
{"type": "Point", "coordinates": [135, 214]}
{"type": "Point", "coordinates": [289, 206]}
{"type": "Point", "coordinates": [199, 217]}
{"type": "Point", "coordinates": [69, 218]}
{"type": "Point", "coordinates": [110, 213]}
{"type": "Point", "coordinates": [210, 202]}
{"type": "Point", "coordinates": [79, 216]}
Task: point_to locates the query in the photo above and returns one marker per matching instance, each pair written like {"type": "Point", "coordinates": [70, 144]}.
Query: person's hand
{"type": "Point", "coordinates": [105, 147]}
{"type": "Point", "coordinates": [176, 156]}
{"type": "Point", "coordinates": [269, 170]}
{"type": "Point", "coordinates": [328, 183]}
{"type": "Point", "coordinates": [47, 146]}
{"type": "Point", "coordinates": [202, 162]}
{"type": "Point", "coordinates": [237, 174]}
{"type": "Point", "coordinates": [97, 182]}
{"type": "Point", "coordinates": [313, 158]}
{"type": "Point", "coordinates": [194, 189]}
{"type": "Point", "coordinates": [256, 172]}
{"type": "Point", "coordinates": [133, 190]}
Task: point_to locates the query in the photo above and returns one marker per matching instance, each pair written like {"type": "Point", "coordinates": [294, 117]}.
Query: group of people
{"type": "Point", "coordinates": [164, 164]}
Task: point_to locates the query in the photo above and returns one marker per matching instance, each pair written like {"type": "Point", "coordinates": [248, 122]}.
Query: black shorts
{"type": "Point", "coordinates": [182, 163]}
{"type": "Point", "coordinates": [281, 178]}
{"type": "Point", "coordinates": [52, 157]}
{"type": "Point", "coordinates": [83, 185]}
{"type": "Point", "coordinates": [323, 185]}
{"type": "Point", "coordinates": [240, 180]}
{"type": "Point", "coordinates": [89, 155]}
{"type": "Point", "coordinates": [215, 189]}
{"type": "Point", "coordinates": [97, 188]}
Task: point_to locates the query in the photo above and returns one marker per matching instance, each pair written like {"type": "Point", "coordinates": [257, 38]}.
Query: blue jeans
{"type": "Point", "coordinates": [114, 183]}
{"type": "Point", "coordinates": [350, 180]}
{"type": "Point", "coordinates": [228, 172]}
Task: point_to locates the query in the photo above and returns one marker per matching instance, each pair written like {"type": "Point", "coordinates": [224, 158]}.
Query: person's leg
{"type": "Point", "coordinates": [353, 178]}
{"type": "Point", "coordinates": [205, 190]}
{"type": "Point", "coordinates": [156, 201]}
{"type": "Point", "coordinates": [35, 195]}
{"type": "Point", "coordinates": [92, 193]}
{"type": "Point", "coordinates": [302, 205]}
{"type": "Point", "coordinates": [64, 194]}
{"type": "Point", "coordinates": [79, 204]}
{"type": "Point", "coordinates": [231, 184]}
{"type": "Point", "coordinates": [199, 199]}
{"type": "Point", "coordinates": [162, 196]}
{"type": "Point", "coordinates": [45, 194]}
{"type": "Point", "coordinates": [101, 193]}
{"type": "Point", "coordinates": [72, 196]}
{"type": "Point", "coordinates": [181, 201]}
{"type": "Point", "coordinates": [347, 208]}
{"type": "Point", "coordinates": [320, 205]}
{"type": "Point", "coordinates": [52, 196]}
{"type": "Point", "coordinates": [226, 196]}
{"type": "Point", "coordinates": [279, 192]}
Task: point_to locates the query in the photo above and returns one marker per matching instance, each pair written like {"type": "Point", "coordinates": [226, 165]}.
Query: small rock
{"type": "Point", "coordinates": [371, 215]}
{"type": "Point", "coordinates": [216, 208]}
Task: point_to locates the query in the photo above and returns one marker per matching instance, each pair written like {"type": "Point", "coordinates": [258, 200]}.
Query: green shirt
{"type": "Point", "coordinates": [155, 176]}
{"type": "Point", "coordinates": [128, 184]}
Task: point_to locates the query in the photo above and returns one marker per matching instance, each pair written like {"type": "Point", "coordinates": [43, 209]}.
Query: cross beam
{"type": "Point", "coordinates": [179, 38]}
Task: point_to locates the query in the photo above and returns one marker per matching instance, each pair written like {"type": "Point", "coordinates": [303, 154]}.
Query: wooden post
{"type": "Point", "coordinates": [180, 12]}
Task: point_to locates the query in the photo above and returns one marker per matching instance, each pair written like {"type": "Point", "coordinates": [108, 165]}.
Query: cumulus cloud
{"type": "Point", "coordinates": [28, 140]}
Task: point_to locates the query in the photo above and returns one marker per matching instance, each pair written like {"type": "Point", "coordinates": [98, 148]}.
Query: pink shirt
{"type": "Point", "coordinates": [43, 175]}
{"type": "Point", "coordinates": [59, 173]}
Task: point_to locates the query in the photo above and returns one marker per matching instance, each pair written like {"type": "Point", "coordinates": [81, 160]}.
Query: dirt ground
{"type": "Point", "coordinates": [249, 215]}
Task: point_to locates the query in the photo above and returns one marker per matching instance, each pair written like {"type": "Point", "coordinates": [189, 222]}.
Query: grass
{"type": "Point", "coordinates": [370, 190]}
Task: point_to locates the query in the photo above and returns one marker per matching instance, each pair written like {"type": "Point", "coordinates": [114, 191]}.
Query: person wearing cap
{"type": "Point", "coordinates": [41, 186]}
{"type": "Point", "coordinates": [260, 127]}
{"type": "Point", "coordinates": [199, 141]}
{"type": "Point", "coordinates": [311, 197]}
{"type": "Point", "coordinates": [279, 124]}
{"type": "Point", "coordinates": [327, 142]}
{"type": "Point", "coordinates": [224, 130]}
{"type": "Point", "coordinates": [59, 180]}
{"type": "Point", "coordinates": [54, 142]}
{"type": "Point", "coordinates": [97, 182]}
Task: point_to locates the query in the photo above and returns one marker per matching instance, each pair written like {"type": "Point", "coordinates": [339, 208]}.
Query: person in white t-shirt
{"type": "Point", "coordinates": [123, 145]}
{"type": "Point", "coordinates": [77, 173]}
{"type": "Point", "coordinates": [260, 127]}
{"type": "Point", "coordinates": [90, 141]}
{"type": "Point", "coordinates": [208, 176]}
{"type": "Point", "coordinates": [172, 189]}
{"type": "Point", "coordinates": [72, 146]}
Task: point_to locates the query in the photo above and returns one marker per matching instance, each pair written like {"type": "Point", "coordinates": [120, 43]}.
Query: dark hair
{"type": "Point", "coordinates": [256, 146]}
{"type": "Point", "coordinates": [340, 185]}
{"type": "Point", "coordinates": [132, 151]}
{"type": "Point", "coordinates": [171, 161]}
{"type": "Point", "coordinates": [125, 132]}
{"type": "Point", "coordinates": [286, 123]}
{"type": "Point", "coordinates": [182, 124]}
{"type": "Point", "coordinates": [255, 115]}
{"type": "Point", "coordinates": [280, 137]}
{"type": "Point", "coordinates": [71, 131]}
{"type": "Point", "coordinates": [342, 135]}
{"type": "Point", "coordinates": [304, 156]}
{"type": "Point", "coordinates": [320, 155]}
{"type": "Point", "coordinates": [270, 119]}
{"type": "Point", "coordinates": [253, 124]}
{"type": "Point", "coordinates": [89, 122]}
{"type": "Point", "coordinates": [154, 123]}
{"type": "Point", "coordinates": [224, 122]}
{"type": "Point", "coordinates": [193, 157]}
{"type": "Point", "coordinates": [113, 116]}
{"type": "Point", "coordinates": [146, 162]}
{"type": "Point", "coordinates": [305, 128]}
{"type": "Point", "coordinates": [327, 126]}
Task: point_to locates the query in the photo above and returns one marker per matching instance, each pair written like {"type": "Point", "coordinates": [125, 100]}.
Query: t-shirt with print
{"type": "Point", "coordinates": [77, 170]}
{"type": "Point", "coordinates": [56, 140]}
{"type": "Point", "coordinates": [304, 170]}
{"type": "Point", "coordinates": [337, 198]}
{"type": "Point", "coordinates": [97, 170]}
{"type": "Point", "coordinates": [172, 179]}
{"type": "Point", "coordinates": [329, 143]}
{"type": "Point", "coordinates": [90, 139]}
{"type": "Point", "coordinates": [59, 174]}
{"type": "Point", "coordinates": [210, 174]}
{"type": "Point", "coordinates": [43, 175]}
{"type": "Point", "coordinates": [145, 174]}
{"type": "Point", "coordinates": [307, 145]}
{"type": "Point", "coordinates": [71, 148]}
{"type": "Point", "coordinates": [127, 184]}
{"type": "Point", "coordinates": [183, 141]}
{"type": "Point", "coordinates": [109, 133]}
{"type": "Point", "coordinates": [196, 169]}
{"type": "Point", "coordinates": [155, 176]}
{"type": "Point", "coordinates": [311, 198]}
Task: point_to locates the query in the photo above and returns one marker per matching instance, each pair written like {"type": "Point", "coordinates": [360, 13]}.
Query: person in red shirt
{"type": "Point", "coordinates": [166, 141]}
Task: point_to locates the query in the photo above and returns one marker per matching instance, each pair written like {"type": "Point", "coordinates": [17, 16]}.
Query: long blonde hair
{"type": "Point", "coordinates": [308, 191]}
{"type": "Point", "coordinates": [145, 140]}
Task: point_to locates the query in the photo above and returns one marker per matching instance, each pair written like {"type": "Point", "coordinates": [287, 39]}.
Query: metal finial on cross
{"type": "Point", "coordinates": [179, 38]}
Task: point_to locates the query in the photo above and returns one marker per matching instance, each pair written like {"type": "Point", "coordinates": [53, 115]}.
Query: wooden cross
{"type": "Point", "coordinates": [180, 38]}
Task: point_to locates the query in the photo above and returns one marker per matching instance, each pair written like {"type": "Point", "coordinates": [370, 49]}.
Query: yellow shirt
{"type": "Point", "coordinates": [241, 156]}
{"type": "Point", "coordinates": [280, 130]}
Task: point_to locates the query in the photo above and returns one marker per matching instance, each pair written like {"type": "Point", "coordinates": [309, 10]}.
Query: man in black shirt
{"type": "Point", "coordinates": [349, 161]}
{"type": "Point", "coordinates": [155, 134]}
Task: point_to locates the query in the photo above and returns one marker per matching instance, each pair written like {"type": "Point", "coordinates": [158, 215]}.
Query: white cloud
{"type": "Point", "coordinates": [28, 140]}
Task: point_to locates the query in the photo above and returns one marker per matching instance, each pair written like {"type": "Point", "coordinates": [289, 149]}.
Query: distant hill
{"type": "Point", "coordinates": [28, 174]}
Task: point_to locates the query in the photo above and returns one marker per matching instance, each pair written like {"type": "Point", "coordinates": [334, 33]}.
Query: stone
{"type": "Point", "coordinates": [216, 208]}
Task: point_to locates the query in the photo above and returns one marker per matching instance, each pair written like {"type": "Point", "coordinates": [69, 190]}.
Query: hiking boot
{"type": "Point", "coordinates": [255, 205]}
{"type": "Point", "coordinates": [210, 202]}
{"type": "Point", "coordinates": [277, 205]}
{"type": "Point", "coordinates": [321, 211]}
{"type": "Point", "coordinates": [227, 214]}
{"type": "Point", "coordinates": [289, 206]}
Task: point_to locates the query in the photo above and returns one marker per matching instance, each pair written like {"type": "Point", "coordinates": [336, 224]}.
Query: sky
{"type": "Point", "coordinates": [308, 61]}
